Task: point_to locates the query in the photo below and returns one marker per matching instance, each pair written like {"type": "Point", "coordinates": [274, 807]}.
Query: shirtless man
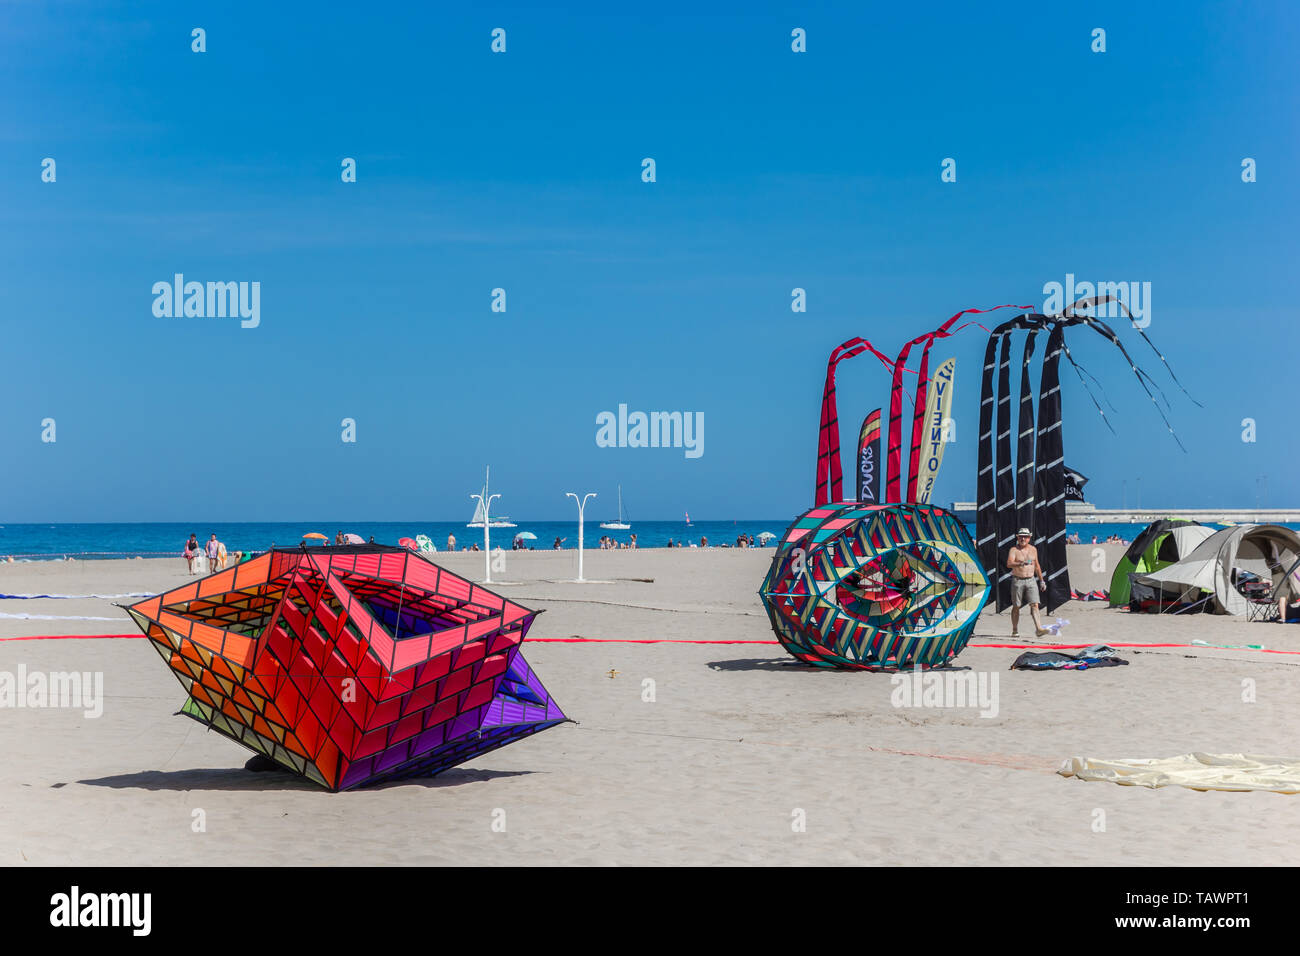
{"type": "Point", "coordinates": [1022, 561]}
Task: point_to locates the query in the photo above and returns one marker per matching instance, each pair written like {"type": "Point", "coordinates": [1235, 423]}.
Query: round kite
{"type": "Point", "coordinates": [873, 587]}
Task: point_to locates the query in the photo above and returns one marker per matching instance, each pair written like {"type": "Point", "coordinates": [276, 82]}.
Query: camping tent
{"type": "Point", "coordinates": [1217, 563]}
{"type": "Point", "coordinates": [1159, 545]}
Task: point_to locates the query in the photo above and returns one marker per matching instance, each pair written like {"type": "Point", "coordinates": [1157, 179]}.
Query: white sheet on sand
{"type": "Point", "coordinates": [1196, 770]}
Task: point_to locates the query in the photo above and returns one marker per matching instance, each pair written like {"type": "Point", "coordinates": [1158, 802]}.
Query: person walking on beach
{"type": "Point", "coordinates": [451, 542]}
{"type": "Point", "coordinates": [1022, 561]}
{"type": "Point", "coordinates": [192, 551]}
{"type": "Point", "coordinates": [212, 553]}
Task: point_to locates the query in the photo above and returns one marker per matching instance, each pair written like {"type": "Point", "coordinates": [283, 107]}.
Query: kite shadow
{"type": "Point", "coordinates": [239, 779]}
{"type": "Point", "coordinates": [773, 665]}
{"type": "Point", "coordinates": [762, 664]}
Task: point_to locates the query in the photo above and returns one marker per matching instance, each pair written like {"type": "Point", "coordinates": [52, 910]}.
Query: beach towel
{"type": "Point", "coordinates": [1197, 771]}
{"type": "Point", "coordinates": [1098, 655]}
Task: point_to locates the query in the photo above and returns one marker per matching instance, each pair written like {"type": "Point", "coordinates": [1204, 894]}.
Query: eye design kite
{"type": "Point", "coordinates": [875, 587]}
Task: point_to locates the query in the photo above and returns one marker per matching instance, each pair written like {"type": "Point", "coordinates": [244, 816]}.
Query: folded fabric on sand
{"type": "Point", "coordinates": [1098, 655]}
{"type": "Point", "coordinates": [1196, 771]}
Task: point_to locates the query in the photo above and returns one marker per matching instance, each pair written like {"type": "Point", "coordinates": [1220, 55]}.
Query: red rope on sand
{"type": "Point", "coordinates": [631, 640]}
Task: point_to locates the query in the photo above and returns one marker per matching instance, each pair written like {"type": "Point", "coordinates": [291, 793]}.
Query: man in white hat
{"type": "Point", "coordinates": [1026, 572]}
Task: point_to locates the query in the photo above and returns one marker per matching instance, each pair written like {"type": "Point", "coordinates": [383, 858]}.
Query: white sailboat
{"type": "Point", "coordinates": [620, 524]}
{"type": "Point", "coordinates": [501, 521]}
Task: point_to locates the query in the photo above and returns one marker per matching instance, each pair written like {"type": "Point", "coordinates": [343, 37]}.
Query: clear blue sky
{"type": "Point", "coordinates": [775, 170]}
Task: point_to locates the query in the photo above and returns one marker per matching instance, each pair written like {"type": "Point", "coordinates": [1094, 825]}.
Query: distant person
{"type": "Point", "coordinates": [372, 539]}
{"type": "Point", "coordinates": [633, 544]}
{"type": "Point", "coordinates": [670, 542]}
{"type": "Point", "coordinates": [451, 542]}
{"type": "Point", "coordinates": [1022, 561]}
{"type": "Point", "coordinates": [1288, 596]}
{"type": "Point", "coordinates": [704, 542]}
{"type": "Point", "coordinates": [556, 546]}
{"type": "Point", "coordinates": [221, 554]}
{"type": "Point", "coordinates": [1094, 539]}
{"type": "Point", "coordinates": [191, 552]}
{"type": "Point", "coordinates": [213, 550]}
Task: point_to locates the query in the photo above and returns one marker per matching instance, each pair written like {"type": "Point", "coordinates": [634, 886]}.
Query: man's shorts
{"type": "Point", "coordinates": [1024, 591]}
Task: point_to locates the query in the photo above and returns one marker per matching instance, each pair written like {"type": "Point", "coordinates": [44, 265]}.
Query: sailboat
{"type": "Point", "coordinates": [620, 524]}
{"type": "Point", "coordinates": [500, 521]}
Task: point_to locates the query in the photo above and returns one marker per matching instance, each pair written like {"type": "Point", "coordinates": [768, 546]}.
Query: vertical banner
{"type": "Point", "coordinates": [1049, 478]}
{"type": "Point", "coordinates": [938, 409]}
{"type": "Point", "coordinates": [986, 525]}
{"type": "Point", "coordinates": [869, 459]}
{"type": "Point", "coordinates": [1004, 482]}
{"type": "Point", "coordinates": [829, 477]}
{"type": "Point", "coordinates": [1026, 462]}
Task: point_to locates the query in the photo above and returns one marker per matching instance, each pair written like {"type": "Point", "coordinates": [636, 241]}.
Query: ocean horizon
{"type": "Point", "coordinates": [107, 540]}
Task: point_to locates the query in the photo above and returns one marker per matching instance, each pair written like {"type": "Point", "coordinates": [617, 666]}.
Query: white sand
{"type": "Point", "coordinates": [713, 771]}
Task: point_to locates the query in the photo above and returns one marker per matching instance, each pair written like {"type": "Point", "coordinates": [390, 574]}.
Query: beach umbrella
{"type": "Point", "coordinates": [408, 543]}
{"type": "Point", "coordinates": [316, 534]}
{"type": "Point", "coordinates": [525, 536]}
{"type": "Point", "coordinates": [765, 536]}
{"type": "Point", "coordinates": [353, 539]}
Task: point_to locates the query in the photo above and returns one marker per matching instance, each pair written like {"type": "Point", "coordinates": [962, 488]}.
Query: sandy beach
{"type": "Point", "coordinates": [738, 747]}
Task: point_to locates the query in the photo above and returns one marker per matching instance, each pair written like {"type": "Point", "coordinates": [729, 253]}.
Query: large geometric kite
{"type": "Point", "coordinates": [350, 665]}
{"type": "Point", "coordinates": [871, 587]}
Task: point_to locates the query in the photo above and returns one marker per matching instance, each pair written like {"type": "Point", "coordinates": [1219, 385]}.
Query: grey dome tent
{"type": "Point", "coordinates": [1213, 569]}
{"type": "Point", "coordinates": [1160, 544]}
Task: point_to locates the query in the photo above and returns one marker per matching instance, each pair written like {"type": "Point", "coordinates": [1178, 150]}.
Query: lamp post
{"type": "Point", "coordinates": [581, 505]}
{"type": "Point", "coordinates": [487, 547]}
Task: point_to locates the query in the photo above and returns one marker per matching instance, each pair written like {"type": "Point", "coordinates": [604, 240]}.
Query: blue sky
{"type": "Point", "coordinates": [522, 171]}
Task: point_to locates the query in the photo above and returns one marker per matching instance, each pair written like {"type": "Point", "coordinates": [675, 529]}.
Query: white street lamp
{"type": "Point", "coordinates": [487, 548]}
{"type": "Point", "coordinates": [581, 505]}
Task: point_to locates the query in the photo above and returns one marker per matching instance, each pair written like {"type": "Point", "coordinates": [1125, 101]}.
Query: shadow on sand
{"type": "Point", "coordinates": [237, 778]}
{"type": "Point", "coordinates": [762, 664]}
{"type": "Point", "coordinates": [774, 664]}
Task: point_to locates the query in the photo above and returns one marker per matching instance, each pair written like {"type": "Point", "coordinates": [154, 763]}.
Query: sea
{"type": "Point", "coordinates": [45, 542]}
